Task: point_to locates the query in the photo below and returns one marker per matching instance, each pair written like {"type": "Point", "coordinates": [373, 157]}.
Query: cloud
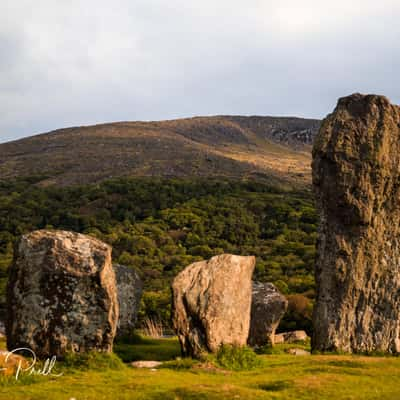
{"type": "Point", "coordinates": [72, 63]}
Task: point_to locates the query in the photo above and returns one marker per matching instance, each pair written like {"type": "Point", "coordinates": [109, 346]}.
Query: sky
{"type": "Point", "coordinates": [74, 62]}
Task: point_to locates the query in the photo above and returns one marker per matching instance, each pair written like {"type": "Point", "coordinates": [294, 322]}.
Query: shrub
{"type": "Point", "coordinates": [237, 358]}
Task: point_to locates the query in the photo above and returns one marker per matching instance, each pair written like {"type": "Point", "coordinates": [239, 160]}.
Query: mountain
{"type": "Point", "coordinates": [274, 149]}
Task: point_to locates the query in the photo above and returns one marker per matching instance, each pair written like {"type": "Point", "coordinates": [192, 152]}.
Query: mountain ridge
{"type": "Point", "coordinates": [269, 148]}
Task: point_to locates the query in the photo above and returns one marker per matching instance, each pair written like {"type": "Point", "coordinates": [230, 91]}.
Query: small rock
{"type": "Point", "coordinates": [298, 352]}
{"type": "Point", "coordinates": [291, 337]}
{"type": "Point", "coordinates": [9, 362]}
{"type": "Point", "coordinates": [146, 364]}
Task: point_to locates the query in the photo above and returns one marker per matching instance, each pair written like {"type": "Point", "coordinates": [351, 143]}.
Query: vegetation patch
{"type": "Point", "coordinates": [347, 364]}
{"type": "Point", "coordinates": [92, 360]}
{"type": "Point", "coordinates": [180, 364]}
{"type": "Point", "coordinates": [147, 349]}
{"type": "Point", "coordinates": [160, 226]}
{"type": "Point", "coordinates": [237, 358]}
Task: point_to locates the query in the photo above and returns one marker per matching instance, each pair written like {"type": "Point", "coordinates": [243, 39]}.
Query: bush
{"type": "Point", "coordinates": [298, 315]}
{"type": "Point", "coordinates": [237, 358]}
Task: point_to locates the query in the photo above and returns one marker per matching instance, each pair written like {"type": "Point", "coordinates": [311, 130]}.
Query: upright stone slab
{"type": "Point", "coordinates": [267, 308]}
{"type": "Point", "coordinates": [129, 286]}
{"type": "Point", "coordinates": [211, 303]}
{"type": "Point", "coordinates": [356, 171]}
{"type": "Point", "coordinates": [61, 294]}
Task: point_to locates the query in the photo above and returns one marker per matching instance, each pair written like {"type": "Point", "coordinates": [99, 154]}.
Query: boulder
{"type": "Point", "coordinates": [12, 364]}
{"type": "Point", "coordinates": [267, 308]}
{"type": "Point", "coordinates": [129, 290]}
{"type": "Point", "coordinates": [291, 337]}
{"type": "Point", "coordinates": [61, 294]}
{"type": "Point", "coordinates": [211, 303]}
{"type": "Point", "coordinates": [356, 158]}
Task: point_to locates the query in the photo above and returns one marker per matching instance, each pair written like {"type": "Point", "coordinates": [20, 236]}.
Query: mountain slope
{"type": "Point", "coordinates": [269, 148]}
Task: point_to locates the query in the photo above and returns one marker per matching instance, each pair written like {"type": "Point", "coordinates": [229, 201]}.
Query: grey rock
{"type": "Point", "coordinates": [61, 294]}
{"type": "Point", "coordinates": [291, 337]}
{"type": "Point", "coordinates": [267, 308]}
{"type": "Point", "coordinates": [211, 303]}
{"type": "Point", "coordinates": [130, 287]}
{"type": "Point", "coordinates": [2, 329]}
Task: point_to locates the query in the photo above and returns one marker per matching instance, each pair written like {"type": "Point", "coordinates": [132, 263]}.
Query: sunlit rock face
{"type": "Point", "coordinates": [61, 294]}
{"type": "Point", "coordinates": [211, 303]}
{"type": "Point", "coordinates": [356, 168]}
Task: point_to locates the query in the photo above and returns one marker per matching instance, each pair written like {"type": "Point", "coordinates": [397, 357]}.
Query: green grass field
{"type": "Point", "coordinates": [279, 376]}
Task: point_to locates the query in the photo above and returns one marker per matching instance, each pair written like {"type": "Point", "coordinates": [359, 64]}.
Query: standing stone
{"type": "Point", "coordinates": [267, 308]}
{"type": "Point", "coordinates": [61, 294]}
{"type": "Point", "coordinates": [129, 286]}
{"type": "Point", "coordinates": [211, 303]}
{"type": "Point", "coordinates": [356, 159]}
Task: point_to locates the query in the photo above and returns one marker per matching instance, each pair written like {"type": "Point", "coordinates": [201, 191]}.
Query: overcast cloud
{"type": "Point", "coordinates": [69, 62]}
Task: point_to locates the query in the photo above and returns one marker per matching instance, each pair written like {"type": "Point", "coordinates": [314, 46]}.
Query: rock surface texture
{"type": "Point", "coordinates": [291, 337]}
{"type": "Point", "coordinates": [356, 173]}
{"type": "Point", "coordinates": [130, 288]}
{"type": "Point", "coordinates": [211, 303]}
{"type": "Point", "coordinates": [267, 308]}
{"type": "Point", "coordinates": [61, 294]}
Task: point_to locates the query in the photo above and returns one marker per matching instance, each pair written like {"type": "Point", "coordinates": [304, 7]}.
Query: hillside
{"type": "Point", "coordinates": [273, 149]}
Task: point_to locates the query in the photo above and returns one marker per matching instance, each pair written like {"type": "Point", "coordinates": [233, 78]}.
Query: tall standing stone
{"type": "Point", "coordinates": [211, 303]}
{"type": "Point", "coordinates": [61, 294]}
{"type": "Point", "coordinates": [267, 308]}
{"type": "Point", "coordinates": [129, 287]}
{"type": "Point", "coordinates": [356, 171]}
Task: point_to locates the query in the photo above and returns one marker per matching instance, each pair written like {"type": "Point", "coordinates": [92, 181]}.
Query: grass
{"type": "Point", "coordinates": [145, 348]}
{"type": "Point", "coordinates": [283, 348]}
{"type": "Point", "coordinates": [278, 376]}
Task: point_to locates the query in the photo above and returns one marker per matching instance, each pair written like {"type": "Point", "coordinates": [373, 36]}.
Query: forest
{"type": "Point", "coordinates": [159, 226]}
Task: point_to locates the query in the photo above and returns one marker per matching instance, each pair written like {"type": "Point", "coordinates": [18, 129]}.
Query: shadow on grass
{"type": "Point", "coordinates": [200, 393]}
{"type": "Point", "coordinates": [347, 364]}
{"type": "Point", "coordinates": [276, 386]}
{"type": "Point", "coordinates": [147, 349]}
